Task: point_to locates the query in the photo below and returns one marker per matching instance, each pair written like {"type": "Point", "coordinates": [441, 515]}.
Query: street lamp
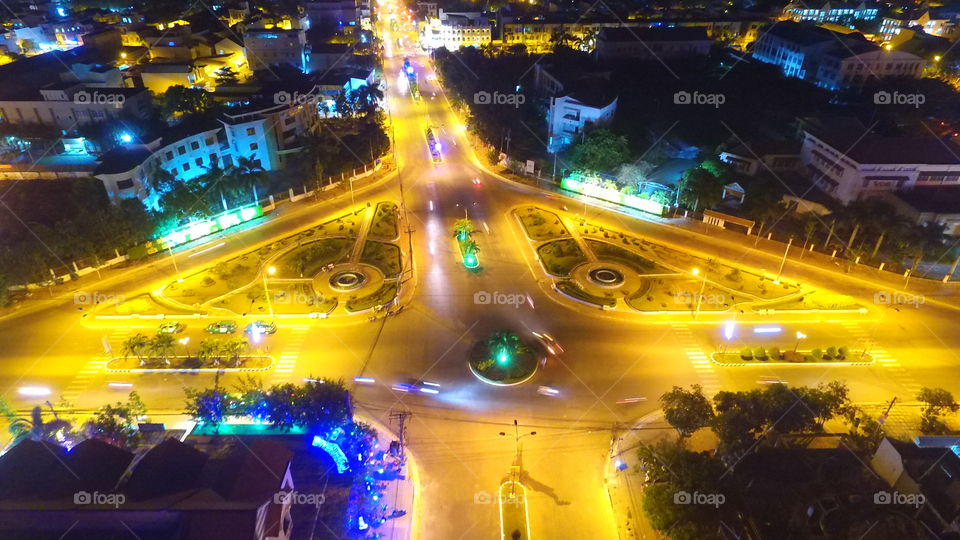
{"type": "Point", "coordinates": [271, 271]}
{"type": "Point", "coordinates": [784, 260]}
{"type": "Point", "coordinates": [184, 341]}
{"type": "Point", "coordinates": [800, 336]}
{"type": "Point", "coordinates": [517, 436]}
{"type": "Point", "coordinates": [703, 284]}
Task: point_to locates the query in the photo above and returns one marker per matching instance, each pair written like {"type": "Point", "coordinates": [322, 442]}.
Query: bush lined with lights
{"type": "Point", "coordinates": [504, 358]}
{"type": "Point", "coordinates": [463, 232]}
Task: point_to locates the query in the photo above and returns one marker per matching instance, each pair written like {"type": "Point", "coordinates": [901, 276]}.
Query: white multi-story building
{"type": "Point", "coordinates": [264, 48]}
{"type": "Point", "coordinates": [69, 104]}
{"type": "Point", "coordinates": [455, 30]}
{"type": "Point", "coordinates": [829, 59]}
{"type": "Point", "coordinates": [576, 102]}
{"type": "Point", "coordinates": [835, 12]}
{"type": "Point", "coordinates": [849, 165]}
{"type": "Point", "coordinates": [893, 24]}
{"type": "Point", "coordinates": [265, 134]}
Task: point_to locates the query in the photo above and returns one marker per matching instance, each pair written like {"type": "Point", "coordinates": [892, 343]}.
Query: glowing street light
{"type": "Point", "coordinates": [800, 336]}
{"type": "Point", "coordinates": [126, 138]}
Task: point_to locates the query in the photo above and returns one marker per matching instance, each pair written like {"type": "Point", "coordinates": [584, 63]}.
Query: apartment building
{"type": "Point", "coordinates": [69, 104]}
{"type": "Point", "coordinates": [455, 30]}
{"type": "Point", "coordinates": [264, 48]}
{"type": "Point", "coordinates": [831, 11]}
{"type": "Point", "coordinates": [652, 43]}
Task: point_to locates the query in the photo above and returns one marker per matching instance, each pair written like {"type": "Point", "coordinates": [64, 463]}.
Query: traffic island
{"type": "Point", "coordinates": [504, 359]}
{"type": "Point", "coordinates": [832, 356]}
{"type": "Point", "coordinates": [189, 364]}
{"type": "Point", "coordinates": [514, 522]}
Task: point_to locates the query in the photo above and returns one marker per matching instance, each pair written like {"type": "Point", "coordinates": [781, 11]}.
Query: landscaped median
{"type": "Point", "coordinates": [189, 364]}
{"type": "Point", "coordinates": [503, 359]}
{"type": "Point", "coordinates": [833, 356]}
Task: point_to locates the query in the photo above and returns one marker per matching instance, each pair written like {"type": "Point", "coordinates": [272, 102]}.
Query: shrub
{"type": "Point", "coordinates": [773, 353]}
{"type": "Point", "coordinates": [208, 282]}
{"type": "Point", "coordinates": [759, 353]}
{"type": "Point", "coordinates": [817, 354]}
{"type": "Point", "coordinates": [746, 353]}
{"type": "Point", "coordinates": [843, 351]}
{"type": "Point", "coordinates": [832, 352]}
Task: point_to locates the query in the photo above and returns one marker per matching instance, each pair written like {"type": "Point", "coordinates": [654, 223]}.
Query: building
{"type": "Point", "coordinates": [849, 165]}
{"type": "Point", "coordinates": [831, 11]}
{"type": "Point", "coordinates": [158, 77]}
{"type": "Point", "coordinates": [652, 43]}
{"type": "Point", "coordinates": [540, 34]}
{"type": "Point", "coordinates": [264, 132]}
{"type": "Point", "coordinates": [933, 473]}
{"type": "Point", "coordinates": [756, 157]}
{"type": "Point", "coordinates": [924, 19]}
{"type": "Point", "coordinates": [334, 13]}
{"type": "Point", "coordinates": [69, 104]}
{"type": "Point", "coordinates": [940, 205]}
{"type": "Point", "coordinates": [830, 59]}
{"type": "Point", "coordinates": [455, 30]}
{"type": "Point", "coordinates": [171, 491]}
{"type": "Point", "coordinates": [577, 102]}
{"type": "Point", "coordinates": [264, 48]}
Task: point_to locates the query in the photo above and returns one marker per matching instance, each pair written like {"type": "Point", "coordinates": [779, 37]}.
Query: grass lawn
{"type": "Point", "coordinates": [541, 224]}
{"type": "Point", "coordinates": [214, 281]}
{"type": "Point", "coordinates": [814, 300]}
{"type": "Point", "coordinates": [575, 291]}
{"type": "Point", "coordinates": [561, 256]}
{"type": "Point", "coordinates": [384, 256]}
{"type": "Point", "coordinates": [384, 225]}
{"type": "Point", "coordinates": [286, 298]}
{"type": "Point", "coordinates": [308, 259]}
{"type": "Point", "coordinates": [609, 252]}
{"type": "Point", "coordinates": [680, 294]}
{"type": "Point", "coordinates": [386, 293]}
{"type": "Point", "coordinates": [143, 304]}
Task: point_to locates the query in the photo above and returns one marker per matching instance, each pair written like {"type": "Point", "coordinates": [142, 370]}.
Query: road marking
{"type": "Point", "coordinates": [699, 361]}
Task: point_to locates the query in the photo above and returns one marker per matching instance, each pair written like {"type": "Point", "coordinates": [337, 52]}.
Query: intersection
{"type": "Point", "coordinates": [614, 367]}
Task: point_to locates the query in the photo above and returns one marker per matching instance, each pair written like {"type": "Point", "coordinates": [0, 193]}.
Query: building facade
{"type": "Point", "coordinates": [652, 43]}
{"type": "Point", "coordinates": [70, 104]}
{"type": "Point", "coordinates": [265, 48]}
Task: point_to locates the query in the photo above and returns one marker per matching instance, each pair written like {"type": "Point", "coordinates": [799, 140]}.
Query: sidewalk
{"type": "Point", "coordinates": [624, 480]}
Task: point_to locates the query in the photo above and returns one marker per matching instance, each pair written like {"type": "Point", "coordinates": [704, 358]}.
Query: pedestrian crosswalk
{"type": "Point", "coordinates": [702, 365]}
{"type": "Point", "coordinates": [84, 378]}
{"type": "Point", "coordinates": [882, 357]}
{"type": "Point", "coordinates": [290, 353]}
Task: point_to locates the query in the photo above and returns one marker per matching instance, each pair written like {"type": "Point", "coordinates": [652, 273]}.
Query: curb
{"type": "Point", "coordinates": [271, 365]}
{"type": "Point", "coordinates": [780, 363]}
{"type": "Point", "coordinates": [503, 385]}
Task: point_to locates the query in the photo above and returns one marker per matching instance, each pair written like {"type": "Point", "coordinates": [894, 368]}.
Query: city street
{"type": "Point", "coordinates": [455, 435]}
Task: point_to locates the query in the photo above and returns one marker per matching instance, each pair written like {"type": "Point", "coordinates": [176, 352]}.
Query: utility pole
{"type": "Point", "coordinates": [400, 416]}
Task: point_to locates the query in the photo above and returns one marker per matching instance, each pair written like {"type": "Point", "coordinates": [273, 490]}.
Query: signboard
{"type": "Point", "coordinates": [529, 167]}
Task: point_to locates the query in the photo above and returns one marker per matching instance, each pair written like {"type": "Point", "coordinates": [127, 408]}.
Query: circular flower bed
{"type": "Point", "coordinates": [504, 359]}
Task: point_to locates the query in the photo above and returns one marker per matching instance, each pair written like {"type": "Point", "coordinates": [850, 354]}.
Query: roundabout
{"type": "Point", "coordinates": [606, 277]}
{"type": "Point", "coordinates": [348, 280]}
{"type": "Point", "coordinates": [503, 359]}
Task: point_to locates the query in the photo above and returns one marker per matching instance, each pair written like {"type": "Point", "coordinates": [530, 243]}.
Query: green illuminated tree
{"type": "Point", "coordinates": [136, 345]}
{"type": "Point", "coordinates": [462, 228]}
{"type": "Point", "coordinates": [602, 151]}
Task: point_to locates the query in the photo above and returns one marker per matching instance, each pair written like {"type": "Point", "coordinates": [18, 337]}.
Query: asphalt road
{"type": "Point", "coordinates": [455, 435]}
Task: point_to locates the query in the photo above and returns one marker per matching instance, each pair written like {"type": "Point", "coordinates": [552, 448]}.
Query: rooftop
{"type": "Point", "coordinates": [878, 149]}
{"type": "Point", "coordinates": [678, 33]}
{"type": "Point", "coordinates": [937, 200]}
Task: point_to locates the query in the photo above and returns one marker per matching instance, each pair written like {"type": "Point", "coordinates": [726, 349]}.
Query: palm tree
{"type": "Point", "coordinates": [470, 247]}
{"type": "Point", "coordinates": [209, 350]}
{"type": "Point", "coordinates": [462, 228]}
{"type": "Point", "coordinates": [35, 428]}
{"type": "Point", "coordinates": [135, 345]}
{"type": "Point", "coordinates": [245, 177]}
{"type": "Point", "coordinates": [233, 348]}
{"type": "Point", "coordinates": [162, 346]}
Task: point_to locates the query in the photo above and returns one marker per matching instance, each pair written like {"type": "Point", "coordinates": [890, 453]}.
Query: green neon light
{"type": "Point", "coordinates": [204, 227]}
{"type": "Point", "coordinates": [572, 183]}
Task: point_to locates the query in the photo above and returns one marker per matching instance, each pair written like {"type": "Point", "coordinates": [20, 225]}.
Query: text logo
{"type": "Point", "coordinates": [709, 499]}
{"type": "Point", "coordinates": [897, 98]}
{"type": "Point", "coordinates": [484, 298]}
{"type": "Point", "coordinates": [98, 98]}
{"type": "Point", "coordinates": [698, 98]}
{"type": "Point", "coordinates": [112, 499]}
{"type": "Point", "coordinates": [84, 298]}
{"type": "Point", "coordinates": [486, 98]}
{"type": "Point", "coordinates": [893, 298]}
{"type": "Point", "coordinates": [298, 498]}
{"type": "Point", "coordinates": [286, 98]}
{"type": "Point", "coordinates": [907, 499]}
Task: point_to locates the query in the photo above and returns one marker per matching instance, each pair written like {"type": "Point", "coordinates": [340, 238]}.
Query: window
{"type": "Point", "coordinates": [199, 162]}
{"type": "Point", "coordinates": [125, 184]}
{"type": "Point", "coordinates": [181, 150]}
{"type": "Point", "coordinates": [209, 141]}
{"type": "Point", "coordinates": [168, 156]}
{"type": "Point", "coordinates": [194, 145]}
{"type": "Point", "coordinates": [213, 159]}
{"type": "Point", "coordinates": [186, 167]}
{"type": "Point", "coordinates": [251, 131]}
{"type": "Point", "coordinates": [254, 146]}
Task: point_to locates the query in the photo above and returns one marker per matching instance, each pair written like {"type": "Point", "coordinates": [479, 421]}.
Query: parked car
{"type": "Point", "coordinates": [222, 327]}
{"type": "Point", "coordinates": [172, 327]}
{"type": "Point", "coordinates": [262, 327]}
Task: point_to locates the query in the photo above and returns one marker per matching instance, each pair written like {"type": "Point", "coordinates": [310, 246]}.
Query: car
{"type": "Point", "coordinates": [415, 386]}
{"type": "Point", "coordinates": [262, 327]}
{"type": "Point", "coordinates": [549, 343]}
{"type": "Point", "coordinates": [172, 327]}
{"type": "Point", "coordinates": [433, 143]}
{"type": "Point", "coordinates": [222, 327]}
{"type": "Point", "coordinates": [476, 181]}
